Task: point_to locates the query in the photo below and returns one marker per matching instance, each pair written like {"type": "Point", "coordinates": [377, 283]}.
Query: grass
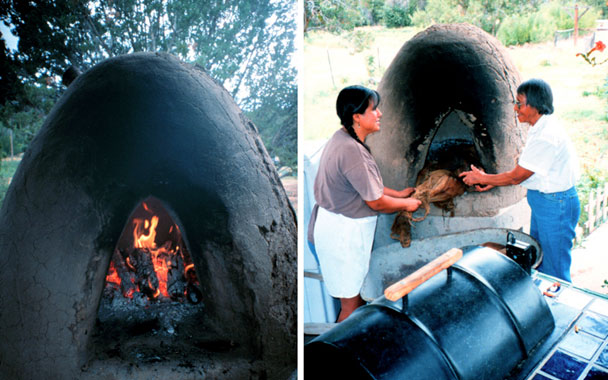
{"type": "Point", "coordinates": [332, 62]}
{"type": "Point", "coordinates": [7, 170]}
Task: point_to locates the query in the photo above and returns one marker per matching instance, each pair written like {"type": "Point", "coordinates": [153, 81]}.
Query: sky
{"type": "Point", "coordinates": [11, 41]}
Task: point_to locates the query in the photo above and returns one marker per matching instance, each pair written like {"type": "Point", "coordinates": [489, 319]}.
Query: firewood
{"type": "Point", "coordinates": [147, 280]}
{"type": "Point", "coordinates": [127, 278]}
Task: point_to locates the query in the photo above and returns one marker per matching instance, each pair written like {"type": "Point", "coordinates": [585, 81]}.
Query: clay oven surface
{"type": "Point", "coordinates": [133, 127]}
{"type": "Point", "coordinates": [450, 83]}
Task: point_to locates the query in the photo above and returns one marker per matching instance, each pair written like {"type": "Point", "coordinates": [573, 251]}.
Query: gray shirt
{"type": "Point", "coordinates": [347, 177]}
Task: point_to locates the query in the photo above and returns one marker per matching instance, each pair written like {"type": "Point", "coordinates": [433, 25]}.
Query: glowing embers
{"type": "Point", "coordinates": [150, 262]}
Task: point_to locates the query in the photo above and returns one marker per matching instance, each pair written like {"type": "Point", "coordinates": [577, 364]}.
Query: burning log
{"type": "Point", "coordinates": [176, 280]}
{"type": "Point", "coordinates": [127, 278]}
{"type": "Point", "coordinates": [193, 293]}
{"type": "Point", "coordinates": [141, 260]}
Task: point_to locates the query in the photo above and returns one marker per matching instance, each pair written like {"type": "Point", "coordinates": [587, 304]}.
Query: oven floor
{"type": "Point", "coordinates": [165, 341]}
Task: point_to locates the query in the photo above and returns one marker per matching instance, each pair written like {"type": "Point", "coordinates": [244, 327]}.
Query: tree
{"type": "Point", "coordinates": [244, 45]}
{"type": "Point", "coordinates": [486, 14]}
{"type": "Point", "coordinates": [332, 15]}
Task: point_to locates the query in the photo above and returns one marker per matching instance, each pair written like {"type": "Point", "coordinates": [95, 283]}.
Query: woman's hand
{"type": "Point", "coordinates": [408, 191]}
{"type": "Point", "coordinates": [412, 204]}
{"type": "Point", "coordinates": [389, 204]}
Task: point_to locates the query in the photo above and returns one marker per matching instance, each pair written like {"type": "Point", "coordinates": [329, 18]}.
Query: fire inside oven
{"type": "Point", "coordinates": [151, 290]}
{"type": "Point", "coordinates": [151, 262]}
{"type": "Point", "coordinates": [453, 146]}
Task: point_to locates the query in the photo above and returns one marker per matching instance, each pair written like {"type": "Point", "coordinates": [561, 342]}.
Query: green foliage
{"type": "Point", "coordinates": [7, 170]}
{"type": "Point", "coordinates": [337, 16]}
{"type": "Point", "coordinates": [560, 13]}
{"type": "Point", "coordinates": [513, 22]}
{"type": "Point", "coordinates": [360, 40]}
{"type": "Point", "coordinates": [371, 66]}
{"type": "Point", "coordinates": [24, 116]}
{"type": "Point", "coordinates": [376, 10]}
{"type": "Point", "coordinates": [438, 11]}
{"type": "Point", "coordinates": [602, 93]}
{"type": "Point", "coordinates": [279, 129]}
{"type": "Point", "coordinates": [485, 14]}
{"type": "Point", "coordinates": [540, 25]}
{"type": "Point", "coordinates": [601, 6]}
{"type": "Point", "coordinates": [396, 16]}
{"type": "Point", "coordinates": [246, 46]}
{"type": "Point", "coordinates": [535, 27]}
{"type": "Point", "coordinates": [340, 15]}
{"type": "Point", "coordinates": [332, 15]}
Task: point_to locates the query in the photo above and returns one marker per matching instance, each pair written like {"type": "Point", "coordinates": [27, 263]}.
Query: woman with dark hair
{"type": "Point", "coordinates": [349, 193]}
{"type": "Point", "coordinates": [548, 168]}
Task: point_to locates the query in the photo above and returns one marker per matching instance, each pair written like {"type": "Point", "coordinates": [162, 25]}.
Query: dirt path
{"type": "Point", "coordinates": [590, 261]}
{"type": "Point", "coordinates": [291, 187]}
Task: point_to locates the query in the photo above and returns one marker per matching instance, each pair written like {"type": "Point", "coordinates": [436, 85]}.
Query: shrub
{"type": "Point", "coordinates": [439, 11]}
{"type": "Point", "coordinates": [536, 27]}
{"type": "Point", "coordinates": [541, 25]}
{"type": "Point", "coordinates": [333, 16]}
{"type": "Point", "coordinates": [396, 16]}
{"type": "Point", "coordinates": [360, 40]}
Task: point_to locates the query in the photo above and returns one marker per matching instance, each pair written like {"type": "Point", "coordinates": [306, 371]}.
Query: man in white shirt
{"type": "Point", "coordinates": [548, 167]}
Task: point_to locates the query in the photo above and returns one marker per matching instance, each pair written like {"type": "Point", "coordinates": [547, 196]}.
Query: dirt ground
{"type": "Point", "coordinates": [590, 261]}
{"type": "Point", "coordinates": [291, 187]}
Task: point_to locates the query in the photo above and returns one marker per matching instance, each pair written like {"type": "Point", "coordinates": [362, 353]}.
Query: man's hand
{"type": "Point", "coordinates": [481, 188]}
{"type": "Point", "coordinates": [472, 177]}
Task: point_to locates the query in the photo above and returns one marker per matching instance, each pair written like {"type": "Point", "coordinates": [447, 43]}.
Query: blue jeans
{"type": "Point", "coordinates": [553, 223]}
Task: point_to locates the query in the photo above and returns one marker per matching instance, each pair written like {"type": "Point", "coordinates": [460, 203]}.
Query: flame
{"type": "Point", "coordinates": [140, 238]}
{"type": "Point", "coordinates": [162, 269]}
{"type": "Point", "coordinates": [112, 275]}
{"type": "Point", "coordinates": [144, 235]}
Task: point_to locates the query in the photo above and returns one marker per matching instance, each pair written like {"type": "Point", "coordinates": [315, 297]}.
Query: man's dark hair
{"type": "Point", "coordinates": [538, 95]}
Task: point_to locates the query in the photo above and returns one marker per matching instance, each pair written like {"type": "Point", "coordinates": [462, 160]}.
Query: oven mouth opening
{"type": "Point", "coordinates": [453, 147]}
{"type": "Point", "coordinates": [151, 307]}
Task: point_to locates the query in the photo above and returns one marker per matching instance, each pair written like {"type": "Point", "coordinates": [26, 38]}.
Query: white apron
{"type": "Point", "coordinates": [343, 246]}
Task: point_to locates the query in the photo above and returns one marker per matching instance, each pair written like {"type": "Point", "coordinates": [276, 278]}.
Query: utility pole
{"type": "Point", "coordinates": [576, 17]}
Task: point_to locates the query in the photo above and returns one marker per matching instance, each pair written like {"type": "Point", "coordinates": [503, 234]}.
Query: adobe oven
{"type": "Point", "coordinates": [447, 102]}
{"type": "Point", "coordinates": [144, 145]}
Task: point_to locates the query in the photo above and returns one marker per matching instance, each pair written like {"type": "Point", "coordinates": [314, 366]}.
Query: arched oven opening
{"type": "Point", "coordinates": [152, 290]}
{"type": "Point", "coordinates": [453, 145]}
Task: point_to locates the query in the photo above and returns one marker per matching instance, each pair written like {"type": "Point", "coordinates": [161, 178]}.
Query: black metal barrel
{"type": "Point", "coordinates": [476, 320]}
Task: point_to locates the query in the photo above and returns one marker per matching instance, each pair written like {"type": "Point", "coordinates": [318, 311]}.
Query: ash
{"type": "Point", "coordinates": [140, 315]}
{"type": "Point", "coordinates": [142, 331]}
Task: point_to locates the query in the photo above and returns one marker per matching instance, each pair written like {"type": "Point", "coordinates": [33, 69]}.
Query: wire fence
{"type": "Point", "coordinates": [597, 208]}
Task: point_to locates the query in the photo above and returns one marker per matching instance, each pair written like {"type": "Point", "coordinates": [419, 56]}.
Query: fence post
{"type": "Point", "coordinates": [605, 206]}
{"type": "Point", "coordinates": [590, 217]}
{"type": "Point", "coordinates": [331, 71]}
{"type": "Point", "coordinates": [598, 209]}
